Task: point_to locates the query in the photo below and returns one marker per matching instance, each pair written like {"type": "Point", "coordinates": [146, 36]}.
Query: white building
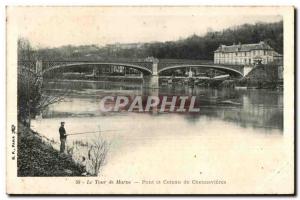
{"type": "Point", "coordinates": [245, 54]}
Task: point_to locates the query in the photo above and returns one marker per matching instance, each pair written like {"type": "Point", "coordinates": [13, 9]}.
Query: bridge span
{"type": "Point", "coordinates": [151, 70]}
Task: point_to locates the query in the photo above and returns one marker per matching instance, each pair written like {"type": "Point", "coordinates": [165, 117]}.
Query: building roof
{"type": "Point", "coordinates": [244, 47]}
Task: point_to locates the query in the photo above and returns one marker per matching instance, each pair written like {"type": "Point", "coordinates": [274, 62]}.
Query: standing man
{"type": "Point", "coordinates": [63, 137]}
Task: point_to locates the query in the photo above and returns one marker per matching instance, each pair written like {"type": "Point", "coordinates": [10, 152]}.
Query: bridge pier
{"type": "Point", "coordinates": [247, 69]}
{"type": "Point", "coordinates": [94, 72]}
{"type": "Point", "coordinates": [39, 70]}
{"type": "Point", "coordinates": [190, 73]}
{"type": "Point", "coordinates": [38, 67]}
{"type": "Point", "coordinates": [152, 81]}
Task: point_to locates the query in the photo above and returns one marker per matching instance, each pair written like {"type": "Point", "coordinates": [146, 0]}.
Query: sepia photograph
{"type": "Point", "coordinates": [150, 100]}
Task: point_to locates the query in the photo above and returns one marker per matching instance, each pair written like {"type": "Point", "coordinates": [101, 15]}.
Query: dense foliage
{"type": "Point", "coordinates": [196, 47]}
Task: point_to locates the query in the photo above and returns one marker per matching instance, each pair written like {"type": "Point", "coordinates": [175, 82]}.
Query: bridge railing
{"type": "Point", "coordinates": [185, 61]}
{"type": "Point", "coordinates": [48, 64]}
{"type": "Point", "coordinates": [168, 63]}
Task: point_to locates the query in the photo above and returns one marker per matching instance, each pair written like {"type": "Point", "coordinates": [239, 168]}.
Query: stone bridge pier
{"type": "Point", "coordinates": [152, 80]}
{"type": "Point", "coordinates": [39, 70]}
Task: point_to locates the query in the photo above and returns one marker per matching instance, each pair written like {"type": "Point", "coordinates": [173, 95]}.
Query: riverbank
{"type": "Point", "coordinates": [261, 77]}
{"type": "Point", "coordinates": [38, 158]}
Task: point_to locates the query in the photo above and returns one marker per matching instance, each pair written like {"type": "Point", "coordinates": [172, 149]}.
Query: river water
{"type": "Point", "coordinates": [236, 137]}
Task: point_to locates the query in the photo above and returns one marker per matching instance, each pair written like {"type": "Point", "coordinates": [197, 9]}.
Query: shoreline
{"type": "Point", "coordinates": [36, 157]}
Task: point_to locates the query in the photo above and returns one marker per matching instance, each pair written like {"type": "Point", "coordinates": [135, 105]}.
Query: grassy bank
{"type": "Point", "coordinates": [261, 77]}
{"type": "Point", "coordinates": [37, 158]}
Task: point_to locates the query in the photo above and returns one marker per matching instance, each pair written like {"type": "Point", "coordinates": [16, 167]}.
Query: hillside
{"type": "Point", "coordinates": [193, 47]}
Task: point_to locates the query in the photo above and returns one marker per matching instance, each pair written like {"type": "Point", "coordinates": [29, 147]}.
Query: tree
{"type": "Point", "coordinates": [32, 98]}
{"type": "Point", "coordinates": [25, 50]}
{"type": "Point", "coordinates": [97, 154]}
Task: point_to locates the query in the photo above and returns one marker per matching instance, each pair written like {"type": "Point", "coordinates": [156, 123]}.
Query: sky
{"type": "Point", "coordinates": [58, 26]}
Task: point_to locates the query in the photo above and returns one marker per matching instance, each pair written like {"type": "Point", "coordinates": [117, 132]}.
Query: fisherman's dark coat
{"type": "Point", "coordinates": [62, 133]}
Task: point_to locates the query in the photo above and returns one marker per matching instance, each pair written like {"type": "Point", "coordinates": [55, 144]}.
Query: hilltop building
{"type": "Point", "coordinates": [246, 54]}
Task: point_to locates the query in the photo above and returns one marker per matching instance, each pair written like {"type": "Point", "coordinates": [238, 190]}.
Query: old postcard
{"type": "Point", "coordinates": [150, 100]}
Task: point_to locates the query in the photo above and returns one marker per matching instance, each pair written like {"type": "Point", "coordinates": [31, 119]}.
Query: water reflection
{"type": "Point", "coordinates": [245, 108]}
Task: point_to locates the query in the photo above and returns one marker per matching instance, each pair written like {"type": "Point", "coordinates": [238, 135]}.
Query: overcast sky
{"type": "Point", "coordinates": [57, 26]}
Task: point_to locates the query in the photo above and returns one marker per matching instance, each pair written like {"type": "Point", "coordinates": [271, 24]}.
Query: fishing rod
{"type": "Point", "coordinates": [92, 132]}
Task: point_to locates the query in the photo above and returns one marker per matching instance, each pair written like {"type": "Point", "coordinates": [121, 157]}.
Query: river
{"type": "Point", "coordinates": [235, 131]}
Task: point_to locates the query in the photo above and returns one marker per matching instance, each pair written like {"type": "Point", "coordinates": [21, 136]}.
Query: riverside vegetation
{"type": "Point", "coordinates": [37, 155]}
